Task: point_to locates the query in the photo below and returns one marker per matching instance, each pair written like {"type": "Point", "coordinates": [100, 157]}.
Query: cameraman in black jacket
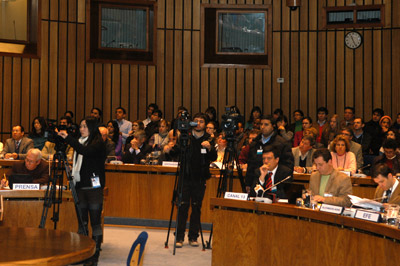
{"type": "Point", "coordinates": [200, 152]}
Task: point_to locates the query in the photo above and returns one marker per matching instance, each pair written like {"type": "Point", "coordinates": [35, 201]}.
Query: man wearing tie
{"type": "Point", "coordinates": [17, 146]}
{"type": "Point", "coordinates": [270, 173]}
{"type": "Point", "coordinates": [388, 189]}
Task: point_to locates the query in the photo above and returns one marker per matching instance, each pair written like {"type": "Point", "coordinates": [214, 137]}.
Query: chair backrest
{"type": "Point", "coordinates": [135, 256]}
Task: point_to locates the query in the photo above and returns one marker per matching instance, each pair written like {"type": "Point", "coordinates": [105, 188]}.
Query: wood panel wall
{"type": "Point", "coordinates": [317, 68]}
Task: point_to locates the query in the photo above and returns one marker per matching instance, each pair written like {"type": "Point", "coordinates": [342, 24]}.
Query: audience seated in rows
{"type": "Point", "coordinates": [110, 145]}
{"type": "Point", "coordinates": [389, 156]}
{"type": "Point", "coordinates": [124, 125]}
{"type": "Point", "coordinates": [303, 155]}
{"type": "Point", "coordinates": [116, 137]}
{"type": "Point", "coordinates": [138, 150]}
{"type": "Point", "coordinates": [160, 139]}
{"type": "Point", "coordinates": [348, 118]}
{"type": "Point", "coordinates": [282, 125]}
{"type": "Point", "coordinates": [322, 122]}
{"type": "Point", "coordinates": [342, 158]}
{"type": "Point", "coordinates": [37, 133]}
{"type": "Point", "coordinates": [18, 145]}
{"type": "Point", "coordinates": [307, 123]}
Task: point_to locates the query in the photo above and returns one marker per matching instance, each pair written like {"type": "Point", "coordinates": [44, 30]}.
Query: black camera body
{"type": "Point", "coordinates": [52, 135]}
{"type": "Point", "coordinates": [184, 125]}
{"type": "Point", "coordinates": [229, 123]}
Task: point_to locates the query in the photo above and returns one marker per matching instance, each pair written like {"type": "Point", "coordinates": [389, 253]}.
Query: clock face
{"type": "Point", "coordinates": [353, 40]}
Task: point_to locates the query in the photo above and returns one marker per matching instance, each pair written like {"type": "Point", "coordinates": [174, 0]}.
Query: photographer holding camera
{"type": "Point", "coordinates": [200, 153]}
{"type": "Point", "coordinates": [89, 175]}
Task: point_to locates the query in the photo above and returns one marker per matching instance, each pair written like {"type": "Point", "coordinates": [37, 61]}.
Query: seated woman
{"type": "Point", "coordinates": [116, 137]}
{"type": "Point", "coordinates": [342, 158]}
{"type": "Point", "coordinates": [385, 122]}
{"type": "Point", "coordinates": [330, 132]}
{"type": "Point", "coordinates": [160, 139]}
{"type": "Point", "coordinates": [307, 123]}
{"type": "Point", "coordinates": [254, 114]}
{"type": "Point", "coordinates": [39, 126]}
{"type": "Point", "coordinates": [283, 131]}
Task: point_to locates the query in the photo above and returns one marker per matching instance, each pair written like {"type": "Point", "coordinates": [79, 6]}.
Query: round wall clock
{"type": "Point", "coordinates": [353, 39]}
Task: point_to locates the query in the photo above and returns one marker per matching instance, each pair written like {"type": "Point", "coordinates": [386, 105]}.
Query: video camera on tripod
{"type": "Point", "coordinates": [184, 125]}
{"type": "Point", "coordinates": [230, 121]}
{"type": "Point", "coordinates": [52, 135]}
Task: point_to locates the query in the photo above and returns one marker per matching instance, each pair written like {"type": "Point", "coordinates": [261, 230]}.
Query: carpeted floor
{"type": "Point", "coordinates": [118, 241]}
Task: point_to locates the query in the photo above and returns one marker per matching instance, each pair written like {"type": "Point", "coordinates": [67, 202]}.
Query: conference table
{"type": "Point", "coordinates": [144, 192]}
{"type": "Point", "coordinates": [254, 233]}
{"type": "Point", "coordinates": [35, 246]}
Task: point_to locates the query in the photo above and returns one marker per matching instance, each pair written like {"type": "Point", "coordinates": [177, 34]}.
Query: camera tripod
{"type": "Point", "coordinates": [227, 174]}
{"type": "Point", "coordinates": [53, 197]}
{"type": "Point", "coordinates": [177, 195]}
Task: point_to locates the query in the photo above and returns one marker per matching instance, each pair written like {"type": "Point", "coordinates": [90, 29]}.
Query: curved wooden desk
{"type": "Point", "coordinates": [145, 191]}
{"type": "Point", "coordinates": [251, 233]}
{"type": "Point", "coordinates": [24, 209]}
{"type": "Point", "coordinates": [34, 246]}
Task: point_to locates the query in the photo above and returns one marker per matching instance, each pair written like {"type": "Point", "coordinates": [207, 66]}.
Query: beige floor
{"type": "Point", "coordinates": [118, 241]}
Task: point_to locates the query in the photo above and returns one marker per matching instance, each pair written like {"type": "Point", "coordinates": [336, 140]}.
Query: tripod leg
{"type": "Point", "coordinates": [170, 219]}
{"type": "Point", "coordinates": [209, 238]}
{"type": "Point", "coordinates": [201, 235]}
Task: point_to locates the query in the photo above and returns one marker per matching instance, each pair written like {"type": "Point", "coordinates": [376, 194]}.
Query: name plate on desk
{"type": "Point", "coordinates": [26, 186]}
{"type": "Point", "coordinates": [368, 215]}
{"type": "Point", "coordinates": [331, 209]}
{"type": "Point", "coordinates": [171, 164]}
{"type": "Point", "coordinates": [236, 196]}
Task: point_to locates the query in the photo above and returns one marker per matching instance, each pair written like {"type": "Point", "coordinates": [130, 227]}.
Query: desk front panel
{"type": "Point", "coordinates": [285, 236]}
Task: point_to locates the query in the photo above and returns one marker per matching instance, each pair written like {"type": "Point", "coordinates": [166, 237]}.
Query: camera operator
{"type": "Point", "coordinates": [89, 175]}
{"type": "Point", "coordinates": [200, 152]}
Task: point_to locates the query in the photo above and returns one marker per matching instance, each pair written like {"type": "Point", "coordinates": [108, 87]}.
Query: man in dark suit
{"type": "Point", "coordinates": [138, 150]}
{"type": "Point", "coordinates": [270, 173]}
{"type": "Point", "coordinates": [388, 189]}
{"type": "Point", "coordinates": [17, 146]}
{"type": "Point", "coordinates": [268, 137]}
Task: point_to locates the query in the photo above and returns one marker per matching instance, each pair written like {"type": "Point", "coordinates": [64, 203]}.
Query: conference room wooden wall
{"type": "Point", "coordinates": [317, 67]}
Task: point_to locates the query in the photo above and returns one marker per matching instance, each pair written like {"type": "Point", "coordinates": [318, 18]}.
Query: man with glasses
{"type": "Point", "coordinates": [390, 157]}
{"type": "Point", "coordinates": [33, 165]}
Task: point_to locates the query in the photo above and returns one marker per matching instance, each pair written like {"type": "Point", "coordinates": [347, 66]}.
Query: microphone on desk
{"type": "Point", "coordinates": [356, 177]}
{"type": "Point", "coordinates": [277, 183]}
{"type": "Point", "coordinates": [265, 200]}
{"type": "Point", "coordinates": [362, 168]}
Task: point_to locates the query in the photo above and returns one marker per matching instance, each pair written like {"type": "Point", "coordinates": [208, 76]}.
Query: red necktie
{"type": "Point", "coordinates": [268, 182]}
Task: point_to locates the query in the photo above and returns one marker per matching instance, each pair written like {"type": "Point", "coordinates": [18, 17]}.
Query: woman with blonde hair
{"type": "Point", "coordinates": [331, 131]}
{"type": "Point", "coordinates": [342, 158]}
